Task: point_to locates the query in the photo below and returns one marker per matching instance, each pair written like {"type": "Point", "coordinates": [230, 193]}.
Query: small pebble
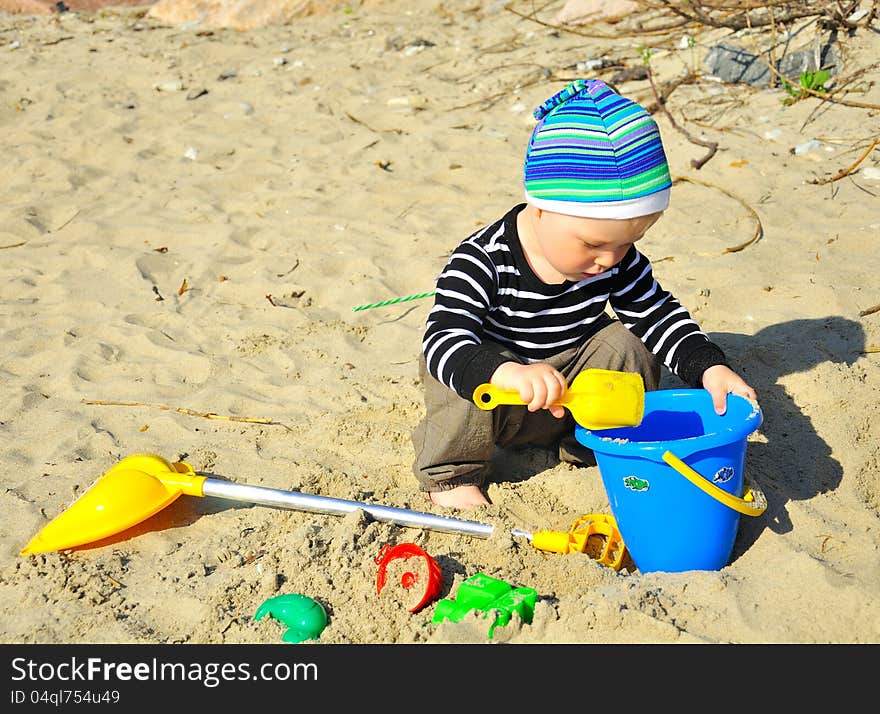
{"type": "Point", "coordinates": [806, 146]}
{"type": "Point", "coordinates": [591, 64]}
{"type": "Point", "coordinates": [413, 102]}
{"type": "Point", "coordinates": [175, 86]}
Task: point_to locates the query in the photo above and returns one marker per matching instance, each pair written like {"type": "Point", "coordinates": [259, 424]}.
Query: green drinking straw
{"type": "Point", "coordinates": [392, 301]}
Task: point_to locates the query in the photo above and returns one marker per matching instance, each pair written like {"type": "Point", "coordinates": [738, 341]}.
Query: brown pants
{"type": "Point", "coordinates": [455, 442]}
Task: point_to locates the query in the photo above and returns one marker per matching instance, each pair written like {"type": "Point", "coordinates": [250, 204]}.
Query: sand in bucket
{"type": "Point", "coordinates": [670, 522]}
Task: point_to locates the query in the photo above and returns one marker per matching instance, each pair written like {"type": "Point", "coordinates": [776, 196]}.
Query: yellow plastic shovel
{"type": "Point", "coordinates": [596, 398]}
{"type": "Point", "coordinates": [141, 485]}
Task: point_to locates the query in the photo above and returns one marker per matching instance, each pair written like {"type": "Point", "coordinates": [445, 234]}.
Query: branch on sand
{"type": "Point", "coordinates": [759, 228]}
{"type": "Point", "coordinates": [640, 30]}
{"type": "Point", "coordinates": [661, 103]}
{"type": "Point", "coordinates": [190, 412]}
{"type": "Point", "coordinates": [848, 170]}
{"type": "Point", "coordinates": [764, 14]}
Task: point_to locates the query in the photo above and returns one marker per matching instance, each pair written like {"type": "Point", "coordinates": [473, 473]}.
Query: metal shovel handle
{"type": "Point", "coordinates": [297, 501]}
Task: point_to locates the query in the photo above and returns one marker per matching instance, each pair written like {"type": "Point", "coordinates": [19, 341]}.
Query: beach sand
{"type": "Point", "coordinates": [190, 215]}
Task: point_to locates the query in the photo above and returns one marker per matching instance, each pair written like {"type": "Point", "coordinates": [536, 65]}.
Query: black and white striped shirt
{"type": "Point", "coordinates": [487, 291]}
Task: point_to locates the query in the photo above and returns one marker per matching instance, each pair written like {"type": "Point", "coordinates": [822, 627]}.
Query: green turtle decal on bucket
{"type": "Point", "coordinates": [634, 483]}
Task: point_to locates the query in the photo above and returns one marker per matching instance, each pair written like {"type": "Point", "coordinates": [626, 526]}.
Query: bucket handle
{"type": "Point", "coordinates": [753, 502]}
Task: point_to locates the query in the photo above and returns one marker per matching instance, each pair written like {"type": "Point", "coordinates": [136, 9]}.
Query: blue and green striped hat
{"type": "Point", "coordinates": [596, 154]}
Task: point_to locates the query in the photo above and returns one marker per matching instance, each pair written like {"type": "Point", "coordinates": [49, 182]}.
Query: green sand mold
{"type": "Point", "coordinates": [304, 616]}
{"type": "Point", "coordinates": [491, 596]}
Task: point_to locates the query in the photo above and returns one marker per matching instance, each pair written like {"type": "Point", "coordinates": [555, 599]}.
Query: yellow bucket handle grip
{"type": "Point", "coordinates": [753, 502]}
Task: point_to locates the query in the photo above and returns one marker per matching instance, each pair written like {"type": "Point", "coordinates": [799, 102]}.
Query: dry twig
{"type": "Point", "coordinates": [637, 31]}
{"type": "Point", "coordinates": [759, 228]}
{"type": "Point", "coordinates": [694, 12]}
{"type": "Point", "coordinates": [376, 131]}
{"type": "Point", "coordinates": [848, 170]}
{"type": "Point", "coordinates": [57, 40]}
{"type": "Point", "coordinates": [661, 103]}
{"type": "Point", "coordinates": [190, 412]}
{"type": "Point", "coordinates": [68, 221]}
{"type": "Point", "coordinates": [492, 99]}
{"type": "Point", "coordinates": [662, 93]}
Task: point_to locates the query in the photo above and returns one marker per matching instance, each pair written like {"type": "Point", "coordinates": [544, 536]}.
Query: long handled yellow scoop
{"type": "Point", "coordinates": [596, 398]}
{"type": "Point", "coordinates": [141, 485]}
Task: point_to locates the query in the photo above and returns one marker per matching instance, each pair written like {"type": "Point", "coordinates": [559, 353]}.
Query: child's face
{"type": "Point", "coordinates": [578, 248]}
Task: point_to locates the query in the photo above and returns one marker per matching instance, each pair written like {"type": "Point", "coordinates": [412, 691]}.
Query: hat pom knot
{"type": "Point", "coordinates": [575, 89]}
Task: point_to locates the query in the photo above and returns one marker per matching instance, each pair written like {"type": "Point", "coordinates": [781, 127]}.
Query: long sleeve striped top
{"type": "Point", "coordinates": [488, 292]}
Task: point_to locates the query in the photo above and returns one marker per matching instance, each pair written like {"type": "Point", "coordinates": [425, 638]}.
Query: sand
{"type": "Point", "coordinates": [189, 217]}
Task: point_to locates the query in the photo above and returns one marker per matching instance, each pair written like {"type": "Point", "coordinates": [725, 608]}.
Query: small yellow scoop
{"type": "Point", "coordinates": [596, 398]}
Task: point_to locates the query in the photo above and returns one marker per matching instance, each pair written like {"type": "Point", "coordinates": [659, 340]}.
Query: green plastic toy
{"type": "Point", "coordinates": [491, 596]}
{"type": "Point", "coordinates": [305, 617]}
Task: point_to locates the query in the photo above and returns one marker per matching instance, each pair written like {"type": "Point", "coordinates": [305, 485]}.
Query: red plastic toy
{"type": "Point", "coordinates": [422, 576]}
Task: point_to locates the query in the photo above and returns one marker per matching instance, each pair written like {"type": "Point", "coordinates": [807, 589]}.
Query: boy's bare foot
{"type": "Point", "coordinates": [461, 497]}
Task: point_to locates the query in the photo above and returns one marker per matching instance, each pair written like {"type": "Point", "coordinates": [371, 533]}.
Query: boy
{"type": "Point", "coordinates": [521, 302]}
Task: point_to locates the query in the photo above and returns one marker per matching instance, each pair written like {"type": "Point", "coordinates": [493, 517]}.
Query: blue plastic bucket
{"type": "Point", "coordinates": [675, 518]}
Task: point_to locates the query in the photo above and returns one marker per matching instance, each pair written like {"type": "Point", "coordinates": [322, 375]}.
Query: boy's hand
{"type": "Point", "coordinates": [720, 381]}
{"type": "Point", "coordinates": [539, 385]}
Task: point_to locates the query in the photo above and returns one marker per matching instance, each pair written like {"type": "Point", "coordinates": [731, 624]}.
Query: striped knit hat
{"type": "Point", "coordinates": [596, 154]}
